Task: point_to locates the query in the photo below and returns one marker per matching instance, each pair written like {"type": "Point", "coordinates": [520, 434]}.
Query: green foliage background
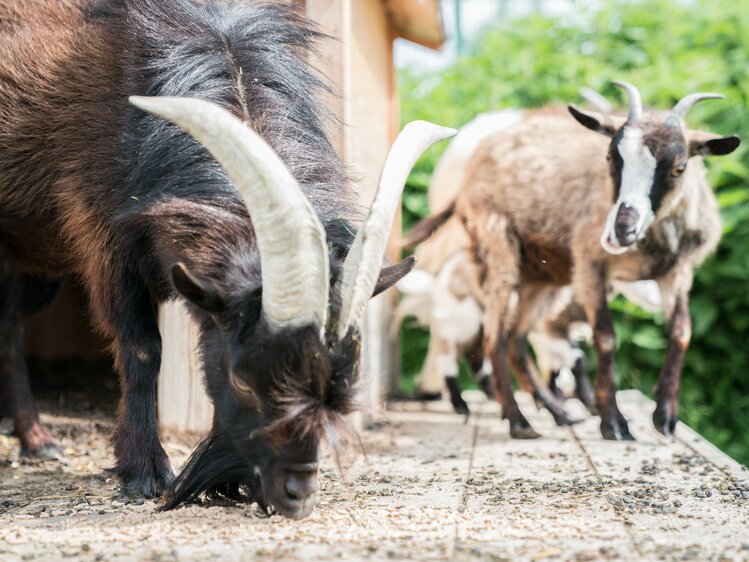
{"type": "Point", "coordinates": [668, 49]}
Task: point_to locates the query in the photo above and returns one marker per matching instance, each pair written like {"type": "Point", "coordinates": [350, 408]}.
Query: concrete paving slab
{"type": "Point", "coordinates": [431, 487]}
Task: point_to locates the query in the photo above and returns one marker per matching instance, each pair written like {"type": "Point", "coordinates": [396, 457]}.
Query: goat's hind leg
{"type": "Point", "coordinates": [496, 348]}
{"type": "Point", "coordinates": [531, 382]}
{"type": "Point", "coordinates": [497, 277]}
{"type": "Point", "coordinates": [22, 297]}
{"type": "Point", "coordinates": [522, 363]}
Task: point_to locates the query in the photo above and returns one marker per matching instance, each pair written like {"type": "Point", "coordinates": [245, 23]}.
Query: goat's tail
{"type": "Point", "coordinates": [428, 226]}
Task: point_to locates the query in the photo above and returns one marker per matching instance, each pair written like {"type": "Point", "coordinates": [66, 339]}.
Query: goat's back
{"type": "Point", "coordinates": [81, 170]}
{"type": "Point", "coordinates": [58, 88]}
{"type": "Point", "coordinates": [546, 174]}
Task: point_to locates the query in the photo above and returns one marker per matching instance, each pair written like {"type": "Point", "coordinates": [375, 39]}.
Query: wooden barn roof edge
{"type": "Point", "coordinates": [418, 21]}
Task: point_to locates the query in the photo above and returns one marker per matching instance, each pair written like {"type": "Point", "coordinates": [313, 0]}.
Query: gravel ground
{"type": "Point", "coordinates": [430, 488]}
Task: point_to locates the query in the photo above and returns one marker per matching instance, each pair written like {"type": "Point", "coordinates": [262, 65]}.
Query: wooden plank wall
{"type": "Point", "coordinates": [183, 405]}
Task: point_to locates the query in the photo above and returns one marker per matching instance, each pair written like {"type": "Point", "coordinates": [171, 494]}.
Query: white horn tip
{"type": "Point", "coordinates": [427, 129]}
{"type": "Point", "coordinates": [157, 105]}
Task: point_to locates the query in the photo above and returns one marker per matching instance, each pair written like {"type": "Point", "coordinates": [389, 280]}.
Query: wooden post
{"type": "Point", "coordinates": [183, 405]}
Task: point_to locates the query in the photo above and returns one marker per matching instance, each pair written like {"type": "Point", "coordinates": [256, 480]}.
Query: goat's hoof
{"type": "Point", "coordinates": [461, 408]}
{"type": "Point", "coordinates": [45, 451]}
{"type": "Point", "coordinates": [563, 419]}
{"type": "Point", "coordinates": [147, 485]}
{"type": "Point", "coordinates": [144, 487]}
{"type": "Point", "coordinates": [616, 429]}
{"type": "Point", "coordinates": [486, 385]}
{"type": "Point", "coordinates": [521, 429]}
{"type": "Point", "coordinates": [456, 399]}
{"type": "Point", "coordinates": [665, 418]}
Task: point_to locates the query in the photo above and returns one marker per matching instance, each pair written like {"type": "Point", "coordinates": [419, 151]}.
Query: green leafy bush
{"type": "Point", "coordinates": [668, 49]}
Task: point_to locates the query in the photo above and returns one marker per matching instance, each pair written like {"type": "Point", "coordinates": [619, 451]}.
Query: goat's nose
{"type": "Point", "coordinates": [625, 225]}
{"type": "Point", "coordinates": [300, 485]}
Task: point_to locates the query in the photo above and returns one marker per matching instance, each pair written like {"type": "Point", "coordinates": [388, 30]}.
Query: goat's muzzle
{"type": "Point", "coordinates": [625, 225]}
{"type": "Point", "coordinates": [294, 489]}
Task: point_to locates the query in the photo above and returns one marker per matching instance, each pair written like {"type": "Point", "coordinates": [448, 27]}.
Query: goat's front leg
{"type": "Point", "coordinates": [553, 388]}
{"type": "Point", "coordinates": [142, 465]}
{"type": "Point", "coordinates": [590, 284]}
{"type": "Point", "coordinates": [666, 412]}
{"type": "Point", "coordinates": [614, 426]}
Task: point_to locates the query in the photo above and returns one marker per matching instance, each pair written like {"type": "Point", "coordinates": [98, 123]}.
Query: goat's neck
{"type": "Point", "coordinates": [214, 241]}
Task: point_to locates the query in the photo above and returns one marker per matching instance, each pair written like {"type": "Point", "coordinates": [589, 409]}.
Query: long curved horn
{"type": "Point", "coordinates": [290, 237]}
{"type": "Point", "coordinates": [635, 100]}
{"type": "Point", "coordinates": [364, 260]}
{"type": "Point", "coordinates": [685, 104]}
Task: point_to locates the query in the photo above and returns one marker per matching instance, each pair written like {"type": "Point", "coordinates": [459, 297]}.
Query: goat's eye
{"type": "Point", "coordinates": [677, 170]}
{"type": "Point", "coordinates": [242, 387]}
{"type": "Point", "coordinates": [608, 157]}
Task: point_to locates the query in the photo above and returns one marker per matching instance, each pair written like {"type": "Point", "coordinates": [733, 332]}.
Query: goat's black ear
{"type": "Point", "coordinates": [199, 292]}
{"type": "Point", "coordinates": [713, 147]}
{"type": "Point", "coordinates": [591, 122]}
{"type": "Point", "coordinates": [390, 275]}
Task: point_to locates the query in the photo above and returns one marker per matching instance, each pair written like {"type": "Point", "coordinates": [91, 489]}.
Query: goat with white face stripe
{"type": "Point", "coordinates": [664, 218]}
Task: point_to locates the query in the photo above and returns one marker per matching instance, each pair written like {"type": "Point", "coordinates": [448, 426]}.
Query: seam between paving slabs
{"type": "Point", "coordinates": [463, 502]}
{"type": "Point", "coordinates": [620, 517]}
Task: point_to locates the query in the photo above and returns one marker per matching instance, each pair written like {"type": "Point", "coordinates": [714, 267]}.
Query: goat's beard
{"type": "Point", "coordinates": [303, 411]}
{"type": "Point", "coordinates": [215, 470]}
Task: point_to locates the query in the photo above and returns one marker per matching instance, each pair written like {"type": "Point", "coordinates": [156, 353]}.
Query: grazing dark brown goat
{"type": "Point", "coordinates": [246, 217]}
{"type": "Point", "coordinates": [537, 204]}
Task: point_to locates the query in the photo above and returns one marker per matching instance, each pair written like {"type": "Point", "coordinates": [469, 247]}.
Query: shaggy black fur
{"type": "Point", "coordinates": [139, 213]}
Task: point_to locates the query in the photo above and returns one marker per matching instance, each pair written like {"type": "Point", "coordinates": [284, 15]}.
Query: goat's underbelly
{"type": "Point", "coordinates": [544, 262]}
